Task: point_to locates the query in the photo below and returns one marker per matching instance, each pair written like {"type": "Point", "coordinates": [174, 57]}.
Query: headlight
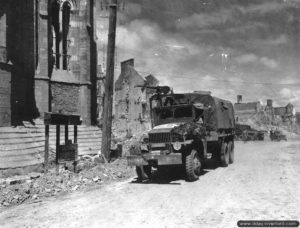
{"type": "Point", "coordinates": [177, 146]}
{"type": "Point", "coordinates": [144, 138]}
{"type": "Point", "coordinates": [144, 147]}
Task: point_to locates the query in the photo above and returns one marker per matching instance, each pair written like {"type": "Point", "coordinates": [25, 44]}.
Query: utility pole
{"type": "Point", "coordinates": [109, 81]}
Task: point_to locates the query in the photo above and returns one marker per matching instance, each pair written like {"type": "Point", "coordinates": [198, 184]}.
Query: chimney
{"type": "Point", "coordinates": [126, 63]}
{"type": "Point", "coordinates": [239, 99]}
{"type": "Point", "coordinates": [270, 103]}
{"type": "Point", "coordinates": [202, 92]}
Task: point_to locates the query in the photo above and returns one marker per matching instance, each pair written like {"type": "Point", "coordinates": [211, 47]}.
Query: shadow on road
{"type": "Point", "coordinates": [166, 176]}
{"type": "Point", "coordinates": [210, 164]}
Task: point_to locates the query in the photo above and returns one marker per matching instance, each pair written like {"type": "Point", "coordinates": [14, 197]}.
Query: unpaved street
{"type": "Point", "coordinates": [263, 183]}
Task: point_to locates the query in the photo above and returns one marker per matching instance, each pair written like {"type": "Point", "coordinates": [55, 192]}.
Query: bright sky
{"type": "Point", "coordinates": [230, 47]}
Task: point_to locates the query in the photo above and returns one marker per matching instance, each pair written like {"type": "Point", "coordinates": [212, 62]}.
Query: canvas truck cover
{"type": "Point", "coordinates": [218, 113]}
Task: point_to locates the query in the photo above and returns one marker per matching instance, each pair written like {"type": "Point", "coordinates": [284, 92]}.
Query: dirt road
{"type": "Point", "coordinates": [263, 183]}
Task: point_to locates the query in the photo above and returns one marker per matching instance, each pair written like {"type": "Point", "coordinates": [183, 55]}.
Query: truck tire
{"type": "Point", "coordinates": [231, 152]}
{"type": "Point", "coordinates": [192, 166]}
{"type": "Point", "coordinates": [143, 172]}
{"type": "Point", "coordinates": [224, 155]}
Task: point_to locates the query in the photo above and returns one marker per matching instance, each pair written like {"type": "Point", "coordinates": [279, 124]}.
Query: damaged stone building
{"type": "Point", "coordinates": [48, 59]}
{"type": "Point", "coordinates": [244, 111]}
{"type": "Point", "coordinates": [48, 63]}
{"type": "Point", "coordinates": [267, 114]}
{"type": "Point", "coordinates": [132, 110]}
{"type": "Point", "coordinates": [286, 113]}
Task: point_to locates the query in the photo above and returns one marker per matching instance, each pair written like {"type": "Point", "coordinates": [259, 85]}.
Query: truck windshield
{"type": "Point", "coordinates": [175, 113]}
{"type": "Point", "coordinates": [183, 112]}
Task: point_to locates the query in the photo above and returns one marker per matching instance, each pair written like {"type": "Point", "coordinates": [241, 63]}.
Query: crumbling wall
{"type": "Point", "coordinates": [130, 117]}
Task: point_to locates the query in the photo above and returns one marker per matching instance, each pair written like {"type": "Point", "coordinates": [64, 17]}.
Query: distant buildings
{"type": "Point", "coordinates": [244, 111]}
{"type": "Point", "coordinates": [284, 113]}
{"type": "Point", "coordinates": [269, 110]}
{"type": "Point", "coordinates": [270, 114]}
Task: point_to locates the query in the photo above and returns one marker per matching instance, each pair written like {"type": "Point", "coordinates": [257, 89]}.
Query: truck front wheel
{"type": "Point", "coordinates": [192, 166]}
{"type": "Point", "coordinates": [143, 172]}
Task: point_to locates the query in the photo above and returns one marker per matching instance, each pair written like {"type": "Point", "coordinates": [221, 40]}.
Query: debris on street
{"type": "Point", "coordinates": [36, 186]}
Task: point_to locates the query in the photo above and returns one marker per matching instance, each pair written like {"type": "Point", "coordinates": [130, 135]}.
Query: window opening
{"type": "Point", "coordinates": [56, 28]}
{"type": "Point", "coordinates": [66, 9]}
{"type": "Point", "coordinates": [144, 110]}
{"type": "Point", "coordinates": [61, 11]}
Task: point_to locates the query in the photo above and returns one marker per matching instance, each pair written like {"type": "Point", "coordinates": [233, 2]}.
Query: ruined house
{"type": "Point", "coordinates": [48, 59]}
{"type": "Point", "coordinates": [245, 111]}
{"type": "Point", "coordinates": [285, 113]}
{"type": "Point", "coordinates": [132, 111]}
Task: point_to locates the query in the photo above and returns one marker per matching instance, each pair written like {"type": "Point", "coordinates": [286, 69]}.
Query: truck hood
{"type": "Point", "coordinates": [164, 127]}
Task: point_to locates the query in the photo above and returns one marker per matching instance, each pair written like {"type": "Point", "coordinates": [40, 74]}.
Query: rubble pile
{"type": "Point", "coordinates": [36, 186]}
{"type": "Point", "coordinates": [127, 143]}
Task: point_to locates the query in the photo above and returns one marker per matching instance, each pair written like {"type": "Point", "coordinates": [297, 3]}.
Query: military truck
{"type": "Point", "coordinates": [246, 133]}
{"type": "Point", "coordinates": [277, 135]}
{"type": "Point", "coordinates": [187, 130]}
{"type": "Point", "coordinates": [240, 130]}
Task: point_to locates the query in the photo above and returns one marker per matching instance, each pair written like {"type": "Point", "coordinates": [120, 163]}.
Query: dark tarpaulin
{"type": "Point", "coordinates": [218, 113]}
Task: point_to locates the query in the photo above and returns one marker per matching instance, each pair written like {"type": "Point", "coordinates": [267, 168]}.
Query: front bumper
{"type": "Point", "coordinates": [144, 159]}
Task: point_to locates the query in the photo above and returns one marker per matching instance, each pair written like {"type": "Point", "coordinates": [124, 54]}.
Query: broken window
{"type": "Point", "coordinates": [61, 11]}
{"type": "Point", "coordinates": [144, 110]}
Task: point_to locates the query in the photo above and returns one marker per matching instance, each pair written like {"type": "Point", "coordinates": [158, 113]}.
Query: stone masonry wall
{"type": "Point", "coordinates": [65, 98]}
{"type": "Point", "coordinates": [18, 26]}
{"type": "Point", "coordinates": [26, 46]}
{"type": "Point", "coordinates": [42, 70]}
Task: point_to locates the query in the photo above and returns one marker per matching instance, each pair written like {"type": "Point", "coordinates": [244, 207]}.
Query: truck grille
{"type": "Point", "coordinates": [160, 137]}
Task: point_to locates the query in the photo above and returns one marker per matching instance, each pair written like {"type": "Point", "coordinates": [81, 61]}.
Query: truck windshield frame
{"type": "Point", "coordinates": [172, 114]}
